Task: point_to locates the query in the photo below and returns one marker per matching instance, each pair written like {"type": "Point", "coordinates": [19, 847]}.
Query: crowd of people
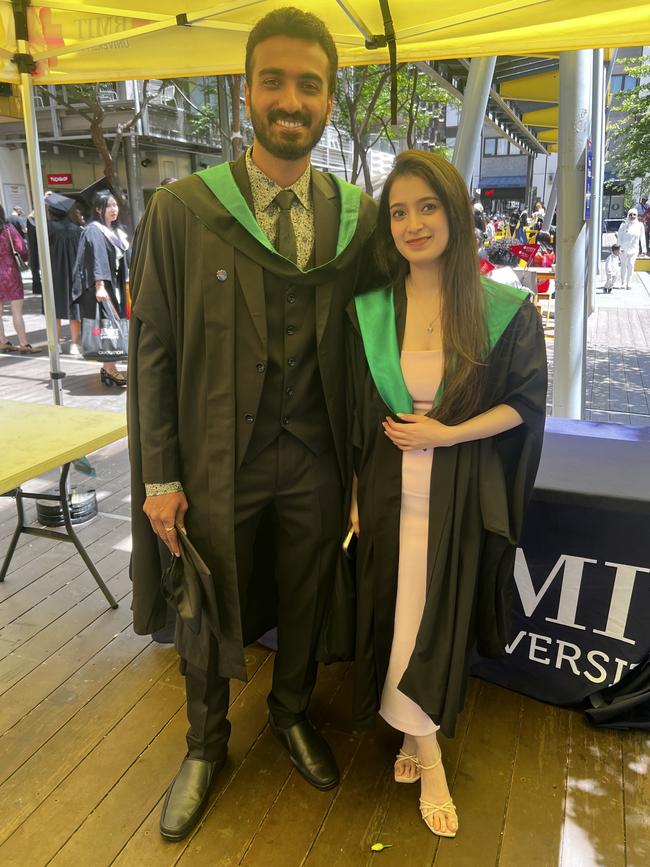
{"type": "Point", "coordinates": [89, 252]}
{"type": "Point", "coordinates": [517, 224]}
{"type": "Point", "coordinates": [302, 361]}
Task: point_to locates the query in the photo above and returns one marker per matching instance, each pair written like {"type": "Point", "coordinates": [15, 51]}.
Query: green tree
{"type": "Point", "coordinates": [206, 119]}
{"type": "Point", "coordinates": [362, 112]}
{"type": "Point", "coordinates": [629, 144]}
{"type": "Point", "coordinates": [87, 101]}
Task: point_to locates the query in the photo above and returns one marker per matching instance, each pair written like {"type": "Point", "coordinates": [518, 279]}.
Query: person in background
{"type": "Point", "coordinates": [643, 210]}
{"type": "Point", "coordinates": [613, 270]}
{"type": "Point", "coordinates": [642, 207]}
{"type": "Point", "coordinates": [11, 286]}
{"type": "Point", "coordinates": [64, 235]}
{"type": "Point", "coordinates": [537, 217]}
{"type": "Point", "coordinates": [101, 270]}
{"type": "Point", "coordinates": [18, 219]}
{"type": "Point", "coordinates": [448, 395]}
{"type": "Point", "coordinates": [513, 222]}
{"type": "Point", "coordinates": [631, 234]}
{"type": "Point", "coordinates": [521, 226]}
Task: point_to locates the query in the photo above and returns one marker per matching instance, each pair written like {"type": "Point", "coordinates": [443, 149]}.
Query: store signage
{"type": "Point", "coordinates": [59, 179]}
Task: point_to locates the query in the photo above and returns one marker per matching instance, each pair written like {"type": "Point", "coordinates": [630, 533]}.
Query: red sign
{"type": "Point", "coordinates": [486, 266]}
{"type": "Point", "coordinates": [525, 251]}
{"type": "Point", "coordinates": [56, 180]}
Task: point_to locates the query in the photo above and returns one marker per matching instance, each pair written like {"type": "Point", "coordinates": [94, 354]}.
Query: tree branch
{"type": "Point", "coordinates": [60, 100]}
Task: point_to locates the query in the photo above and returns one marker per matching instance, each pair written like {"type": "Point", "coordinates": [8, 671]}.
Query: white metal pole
{"type": "Point", "coordinates": [552, 202]}
{"type": "Point", "coordinates": [597, 122]}
{"type": "Point", "coordinates": [34, 158]}
{"type": "Point", "coordinates": [475, 100]}
{"type": "Point", "coordinates": [568, 376]}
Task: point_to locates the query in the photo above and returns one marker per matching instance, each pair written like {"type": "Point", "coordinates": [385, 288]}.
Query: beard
{"type": "Point", "coordinates": [287, 144]}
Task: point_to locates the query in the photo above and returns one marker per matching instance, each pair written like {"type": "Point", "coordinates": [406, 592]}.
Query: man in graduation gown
{"type": "Point", "coordinates": [237, 418]}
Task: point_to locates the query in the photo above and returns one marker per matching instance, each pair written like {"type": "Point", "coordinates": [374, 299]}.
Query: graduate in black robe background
{"type": "Point", "coordinates": [64, 235]}
{"type": "Point", "coordinates": [485, 424]}
{"type": "Point", "coordinates": [101, 271]}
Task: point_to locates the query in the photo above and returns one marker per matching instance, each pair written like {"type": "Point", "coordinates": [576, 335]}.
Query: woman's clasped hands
{"type": "Point", "coordinates": [419, 432]}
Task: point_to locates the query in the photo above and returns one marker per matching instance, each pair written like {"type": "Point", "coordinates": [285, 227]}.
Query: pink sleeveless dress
{"type": "Point", "coordinates": [422, 372]}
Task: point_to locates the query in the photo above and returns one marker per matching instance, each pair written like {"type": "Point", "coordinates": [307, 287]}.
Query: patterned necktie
{"type": "Point", "coordinates": [285, 242]}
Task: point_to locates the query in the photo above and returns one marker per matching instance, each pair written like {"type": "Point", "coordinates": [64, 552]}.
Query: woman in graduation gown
{"type": "Point", "coordinates": [447, 400]}
{"type": "Point", "coordinates": [101, 270]}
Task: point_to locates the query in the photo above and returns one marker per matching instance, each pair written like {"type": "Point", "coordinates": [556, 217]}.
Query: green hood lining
{"type": "Point", "coordinates": [221, 183]}
{"type": "Point", "coordinates": [376, 315]}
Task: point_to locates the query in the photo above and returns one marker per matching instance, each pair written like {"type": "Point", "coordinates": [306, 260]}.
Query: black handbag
{"type": "Point", "coordinates": [106, 337]}
{"type": "Point", "coordinates": [18, 259]}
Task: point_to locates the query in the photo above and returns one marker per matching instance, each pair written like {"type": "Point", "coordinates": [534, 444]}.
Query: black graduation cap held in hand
{"type": "Point", "coordinates": [188, 587]}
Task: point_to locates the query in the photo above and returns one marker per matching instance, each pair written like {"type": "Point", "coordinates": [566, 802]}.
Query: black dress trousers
{"type": "Point", "coordinates": [303, 493]}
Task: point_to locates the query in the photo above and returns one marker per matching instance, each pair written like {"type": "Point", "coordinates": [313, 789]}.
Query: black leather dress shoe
{"type": "Point", "coordinates": [186, 797]}
{"type": "Point", "coordinates": [309, 752]}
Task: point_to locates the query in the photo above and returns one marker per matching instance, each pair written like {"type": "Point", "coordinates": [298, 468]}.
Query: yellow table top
{"type": "Point", "coordinates": [36, 438]}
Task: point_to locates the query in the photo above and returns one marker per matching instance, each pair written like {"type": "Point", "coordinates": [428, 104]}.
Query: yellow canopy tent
{"type": "Point", "coordinates": [71, 41]}
{"type": "Point", "coordinates": [76, 41]}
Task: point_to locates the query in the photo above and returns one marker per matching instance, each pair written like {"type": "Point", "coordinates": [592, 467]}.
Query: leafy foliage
{"type": "Point", "coordinates": [362, 111]}
{"type": "Point", "coordinates": [630, 136]}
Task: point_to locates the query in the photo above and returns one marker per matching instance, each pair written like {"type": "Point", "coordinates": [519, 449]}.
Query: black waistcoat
{"type": "Point", "coordinates": [292, 398]}
{"type": "Point", "coordinates": [279, 385]}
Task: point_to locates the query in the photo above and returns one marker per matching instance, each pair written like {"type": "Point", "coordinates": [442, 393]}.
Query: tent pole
{"type": "Point", "coordinates": [570, 320]}
{"type": "Point", "coordinates": [475, 100]}
{"type": "Point", "coordinates": [552, 203]}
{"type": "Point", "coordinates": [595, 226]}
{"type": "Point", "coordinates": [34, 157]}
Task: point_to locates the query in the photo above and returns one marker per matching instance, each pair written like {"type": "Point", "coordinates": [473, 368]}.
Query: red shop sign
{"type": "Point", "coordinates": [54, 180]}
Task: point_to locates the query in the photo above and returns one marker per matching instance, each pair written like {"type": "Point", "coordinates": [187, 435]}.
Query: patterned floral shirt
{"type": "Point", "coordinates": [265, 190]}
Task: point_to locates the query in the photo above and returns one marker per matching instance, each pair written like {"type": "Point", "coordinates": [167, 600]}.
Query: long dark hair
{"type": "Point", "coordinates": [464, 336]}
{"type": "Point", "coordinates": [100, 203]}
{"type": "Point", "coordinates": [3, 217]}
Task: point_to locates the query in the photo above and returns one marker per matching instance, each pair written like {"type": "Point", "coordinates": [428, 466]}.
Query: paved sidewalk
{"type": "Point", "coordinates": [618, 362]}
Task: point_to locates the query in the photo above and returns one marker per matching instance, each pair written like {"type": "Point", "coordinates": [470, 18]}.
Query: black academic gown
{"type": "Point", "coordinates": [190, 256]}
{"type": "Point", "coordinates": [479, 492]}
{"type": "Point", "coordinates": [97, 260]}
{"type": "Point", "coordinates": [64, 236]}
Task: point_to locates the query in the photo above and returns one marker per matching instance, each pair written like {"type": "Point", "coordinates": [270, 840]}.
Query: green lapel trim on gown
{"type": "Point", "coordinates": [376, 315]}
{"type": "Point", "coordinates": [501, 304]}
{"type": "Point", "coordinates": [221, 183]}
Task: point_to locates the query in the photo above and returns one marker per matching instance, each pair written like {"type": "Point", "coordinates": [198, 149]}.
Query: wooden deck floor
{"type": "Point", "coordinates": [92, 717]}
{"type": "Point", "coordinates": [92, 725]}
